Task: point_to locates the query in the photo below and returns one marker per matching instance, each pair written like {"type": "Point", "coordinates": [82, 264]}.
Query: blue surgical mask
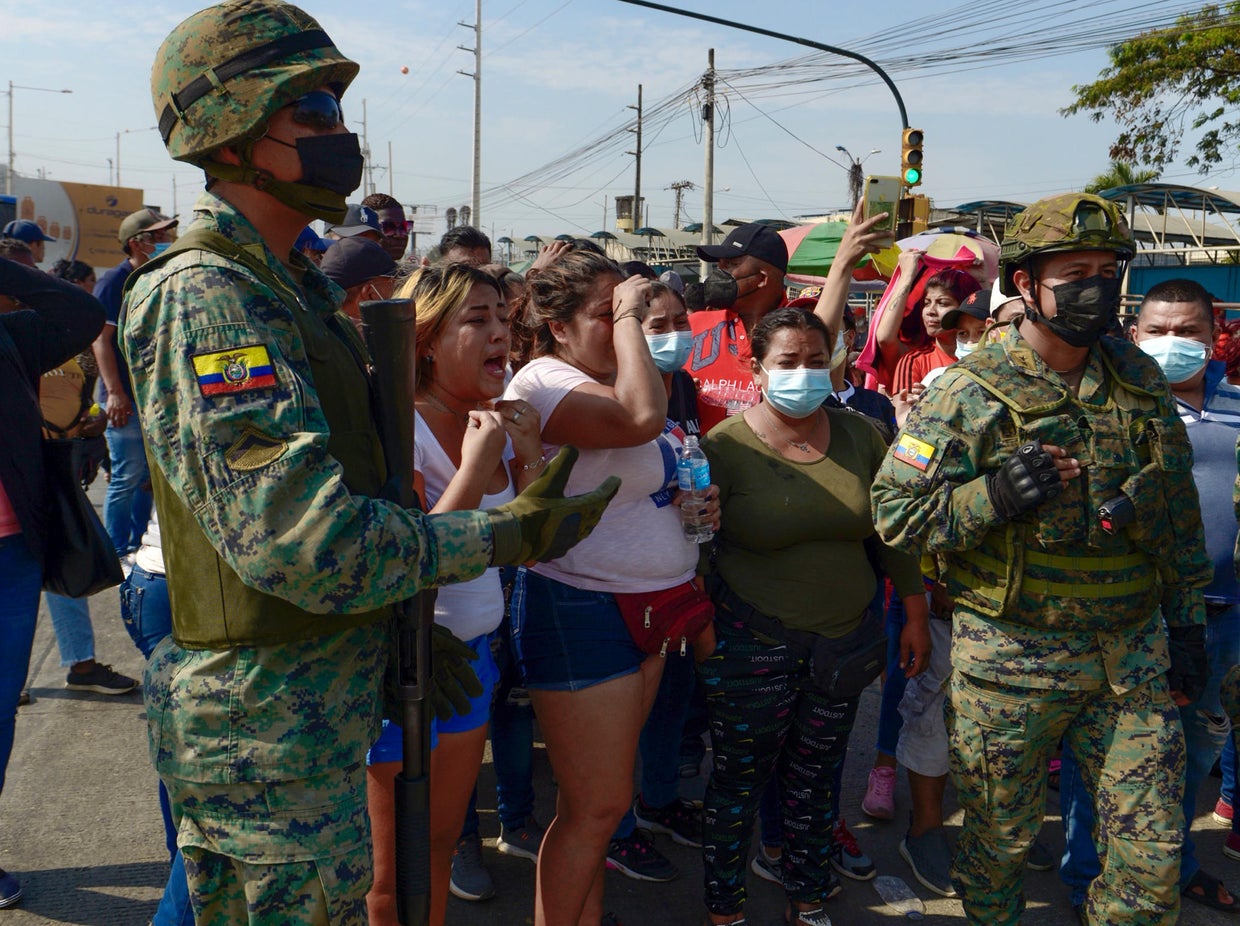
{"type": "Point", "coordinates": [670, 350]}
{"type": "Point", "coordinates": [964, 348]}
{"type": "Point", "coordinates": [839, 353]}
{"type": "Point", "coordinates": [797, 393]}
{"type": "Point", "coordinates": [160, 247]}
{"type": "Point", "coordinates": [1180, 358]}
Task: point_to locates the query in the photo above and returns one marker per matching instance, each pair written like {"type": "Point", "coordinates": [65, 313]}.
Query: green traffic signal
{"type": "Point", "coordinates": [912, 176]}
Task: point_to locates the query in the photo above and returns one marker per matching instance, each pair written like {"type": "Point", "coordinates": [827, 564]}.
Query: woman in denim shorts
{"type": "Point", "coordinates": [595, 385]}
{"type": "Point", "coordinates": [470, 451]}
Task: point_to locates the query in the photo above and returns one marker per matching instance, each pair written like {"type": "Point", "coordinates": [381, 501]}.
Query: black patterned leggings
{"type": "Point", "coordinates": [765, 718]}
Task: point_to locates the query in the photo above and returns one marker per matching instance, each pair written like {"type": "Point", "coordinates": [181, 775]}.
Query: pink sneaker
{"type": "Point", "coordinates": [879, 801]}
{"type": "Point", "coordinates": [1222, 813]}
{"type": "Point", "coordinates": [1231, 848]}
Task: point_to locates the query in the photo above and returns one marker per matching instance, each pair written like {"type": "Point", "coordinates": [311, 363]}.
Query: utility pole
{"type": "Point", "coordinates": [708, 139]}
{"type": "Point", "coordinates": [390, 193]}
{"type": "Point", "coordinates": [603, 227]}
{"type": "Point", "coordinates": [680, 186]}
{"type": "Point", "coordinates": [476, 199]}
{"type": "Point", "coordinates": [368, 186]}
{"type": "Point", "coordinates": [637, 174]}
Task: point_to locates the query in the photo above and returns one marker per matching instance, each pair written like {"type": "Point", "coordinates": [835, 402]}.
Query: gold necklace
{"type": "Point", "coordinates": [443, 407]}
{"type": "Point", "coordinates": [802, 446]}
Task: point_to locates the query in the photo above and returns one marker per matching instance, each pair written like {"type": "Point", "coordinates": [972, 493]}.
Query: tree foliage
{"type": "Point", "coordinates": [1120, 173]}
{"type": "Point", "coordinates": [1163, 83]}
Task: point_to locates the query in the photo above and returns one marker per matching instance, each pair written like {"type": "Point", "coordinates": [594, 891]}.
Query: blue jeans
{"type": "Point", "coordinates": [75, 638]}
{"type": "Point", "coordinates": [1205, 733]}
{"type": "Point", "coordinates": [126, 506]}
{"type": "Point", "coordinates": [889, 719]}
{"type": "Point", "coordinates": [1227, 790]}
{"type": "Point", "coordinates": [659, 745]}
{"type": "Point", "coordinates": [512, 745]}
{"type": "Point", "coordinates": [21, 577]}
{"type": "Point", "coordinates": [147, 615]}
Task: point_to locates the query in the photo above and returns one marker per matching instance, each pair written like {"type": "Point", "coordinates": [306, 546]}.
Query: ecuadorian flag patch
{"type": "Point", "coordinates": [914, 452]}
{"type": "Point", "coordinates": [238, 369]}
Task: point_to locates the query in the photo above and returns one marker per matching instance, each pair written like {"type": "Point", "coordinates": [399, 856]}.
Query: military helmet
{"type": "Point", "coordinates": [221, 74]}
{"type": "Point", "coordinates": [1068, 222]}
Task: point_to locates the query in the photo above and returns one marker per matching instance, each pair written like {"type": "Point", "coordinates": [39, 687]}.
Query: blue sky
{"type": "Point", "coordinates": [559, 73]}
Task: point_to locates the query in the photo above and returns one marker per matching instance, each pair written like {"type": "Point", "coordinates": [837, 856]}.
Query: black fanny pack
{"type": "Point", "coordinates": [840, 667]}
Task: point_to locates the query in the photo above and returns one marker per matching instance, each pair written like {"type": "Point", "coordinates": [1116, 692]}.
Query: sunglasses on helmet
{"type": "Point", "coordinates": [319, 110]}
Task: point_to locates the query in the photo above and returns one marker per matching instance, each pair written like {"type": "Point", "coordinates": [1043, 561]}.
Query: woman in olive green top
{"type": "Point", "coordinates": [794, 481]}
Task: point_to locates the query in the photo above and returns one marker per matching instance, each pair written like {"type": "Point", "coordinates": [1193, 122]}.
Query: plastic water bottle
{"type": "Point", "coordinates": [693, 475]}
{"type": "Point", "coordinates": [899, 896]}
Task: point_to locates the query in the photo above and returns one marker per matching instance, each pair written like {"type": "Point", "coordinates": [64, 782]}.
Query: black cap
{"type": "Point", "coordinates": [977, 305]}
{"type": "Point", "coordinates": [352, 261]}
{"type": "Point", "coordinates": [755, 239]}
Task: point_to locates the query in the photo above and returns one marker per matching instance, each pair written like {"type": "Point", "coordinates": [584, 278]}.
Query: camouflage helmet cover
{"type": "Point", "coordinates": [221, 74]}
{"type": "Point", "coordinates": [1067, 222]}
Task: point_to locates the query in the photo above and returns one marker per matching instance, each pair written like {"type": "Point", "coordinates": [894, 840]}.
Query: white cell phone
{"type": "Point", "coordinates": [882, 194]}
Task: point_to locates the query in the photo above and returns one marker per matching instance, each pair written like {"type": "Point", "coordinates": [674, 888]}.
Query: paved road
{"type": "Point", "coordinates": [81, 825]}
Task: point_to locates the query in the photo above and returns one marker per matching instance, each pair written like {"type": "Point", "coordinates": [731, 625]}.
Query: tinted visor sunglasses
{"type": "Point", "coordinates": [318, 110]}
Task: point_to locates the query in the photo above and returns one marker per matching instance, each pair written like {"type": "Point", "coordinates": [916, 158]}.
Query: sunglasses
{"type": "Point", "coordinates": [390, 226]}
{"type": "Point", "coordinates": [319, 110]}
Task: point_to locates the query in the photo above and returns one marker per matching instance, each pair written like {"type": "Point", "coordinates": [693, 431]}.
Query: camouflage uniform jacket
{"type": "Point", "coordinates": [1099, 623]}
{"type": "Point", "coordinates": [287, 524]}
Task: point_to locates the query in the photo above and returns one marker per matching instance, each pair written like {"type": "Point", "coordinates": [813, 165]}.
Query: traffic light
{"type": "Point", "coordinates": [910, 157]}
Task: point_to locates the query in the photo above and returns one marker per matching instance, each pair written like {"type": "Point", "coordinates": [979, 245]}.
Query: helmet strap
{"type": "Point", "coordinates": [310, 201]}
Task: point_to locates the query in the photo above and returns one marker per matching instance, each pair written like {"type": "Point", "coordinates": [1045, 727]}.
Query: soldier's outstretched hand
{"type": "Point", "coordinates": [542, 523]}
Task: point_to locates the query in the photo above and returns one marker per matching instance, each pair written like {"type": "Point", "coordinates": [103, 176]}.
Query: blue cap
{"type": "Point", "coordinates": [357, 220]}
{"type": "Point", "coordinates": [25, 230]}
{"type": "Point", "coordinates": [308, 239]}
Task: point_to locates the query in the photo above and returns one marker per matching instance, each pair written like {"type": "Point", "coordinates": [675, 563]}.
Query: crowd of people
{"type": "Point", "coordinates": [1009, 508]}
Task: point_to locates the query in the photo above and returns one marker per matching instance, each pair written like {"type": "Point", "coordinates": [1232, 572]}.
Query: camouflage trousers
{"type": "Point", "coordinates": [289, 852]}
{"type": "Point", "coordinates": [1130, 748]}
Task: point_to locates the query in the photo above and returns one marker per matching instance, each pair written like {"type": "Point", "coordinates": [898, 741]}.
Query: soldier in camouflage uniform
{"type": "Point", "coordinates": [282, 563]}
{"type": "Point", "coordinates": [1052, 475]}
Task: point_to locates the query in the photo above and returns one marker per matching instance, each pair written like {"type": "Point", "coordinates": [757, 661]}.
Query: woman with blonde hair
{"type": "Point", "coordinates": [470, 451]}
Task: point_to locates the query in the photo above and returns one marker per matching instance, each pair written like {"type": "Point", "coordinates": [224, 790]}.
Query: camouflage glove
{"type": "Point", "coordinates": [453, 680]}
{"type": "Point", "coordinates": [1189, 670]}
{"type": "Point", "coordinates": [541, 524]}
{"type": "Point", "coordinates": [1025, 480]}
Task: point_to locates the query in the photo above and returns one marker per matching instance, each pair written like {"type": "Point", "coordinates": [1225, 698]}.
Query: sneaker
{"type": "Point", "coordinates": [692, 752]}
{"type": "Point", "coordinates": [681, 819]}
{"type": "Point", "coordinates": [10, 889]}
{"type": "Point", "coordinates": [1231, 848]}
{"type": "Point", "coordinates": [930, 858]}
{"type": "Point", "coordinates": [470, 879]}
{"type": "Point", "coordinates": [635, 857]}
{"type": "Point", "coordinates": [101, 680]}
{"type": "Point", "coordinates": [1222, 813]}
{"type": "Point", "coordinates": [522, 841]}
{"type": "Point", "coordinates": [815, 917]}
{"type": "Point", "coordinates": [766, 867]}
{"type": "Point", "coordinates": [1040, 858]}
{"type": "Point", "coordinates": [846, 856]}
{"type": "Point", "coordinates": [880, 795]}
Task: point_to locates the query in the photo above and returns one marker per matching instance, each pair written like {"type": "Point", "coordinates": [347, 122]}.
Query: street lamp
{"type": "Point", "coordinates": [149, 128]}
{"type": "Point", "coordinates": [8, 177]}
{"type": "Point", "coordinates": [855, 174]}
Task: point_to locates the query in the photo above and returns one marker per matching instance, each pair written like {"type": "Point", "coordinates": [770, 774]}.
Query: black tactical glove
{"type": "Point", "coordinates": [1025, 480]}
{"type": "Point", "coordinates": [541, 524]}
{"type": "Point", "coordinates": [1189, 670]}
{"type": "Point", "coordinates": [452, 679]}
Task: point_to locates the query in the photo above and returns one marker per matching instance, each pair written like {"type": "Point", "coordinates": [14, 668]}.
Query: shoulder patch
{"type": "Point", "coordinates": [916, 453]}
{"type": "Point", "coordinates": [254, 450]}
{"type": "Point", "coordinates": [238, 369]}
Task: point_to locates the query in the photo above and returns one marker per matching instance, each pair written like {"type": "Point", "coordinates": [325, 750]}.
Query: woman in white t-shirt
{"type": "Point", "coordinates": [595, 386]}
{"type": "Point", "coordinates": [470, 451]}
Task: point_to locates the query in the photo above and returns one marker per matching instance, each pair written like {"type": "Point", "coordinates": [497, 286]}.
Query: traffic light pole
{"type": "Point", "coordinates": [787, 38]}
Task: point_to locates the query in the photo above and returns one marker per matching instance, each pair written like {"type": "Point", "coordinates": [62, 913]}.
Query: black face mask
{"type": "Point", "coordinates": [718, 290]}
{"type": "Point", "coordinates": [1085, 310]}
{"type": "Point", "coordinates": [331, 169]}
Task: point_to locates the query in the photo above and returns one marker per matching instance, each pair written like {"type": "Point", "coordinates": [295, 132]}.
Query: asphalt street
{"type": "Point", "coordinates": [80, 824]}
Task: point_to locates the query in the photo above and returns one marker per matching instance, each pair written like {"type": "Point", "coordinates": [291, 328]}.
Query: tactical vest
{"type": "Point", "coordinates": [212, 608]}
{"type": "Point", "coordinates": [1054, 567]}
